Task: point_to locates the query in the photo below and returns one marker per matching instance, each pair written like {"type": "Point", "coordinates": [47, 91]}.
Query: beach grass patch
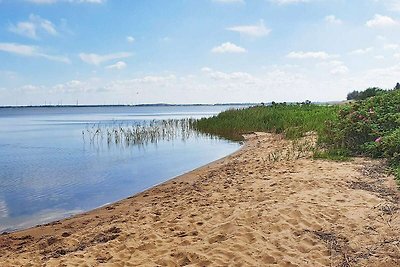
{"type": "Point", "coordinates": [337, 154]}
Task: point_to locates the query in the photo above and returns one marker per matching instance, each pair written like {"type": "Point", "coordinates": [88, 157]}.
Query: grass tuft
{"type": "Point", "coordinates": [332, 154]}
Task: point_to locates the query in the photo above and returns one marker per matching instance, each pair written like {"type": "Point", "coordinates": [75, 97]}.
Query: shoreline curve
{"type": "Point", "coordinates": [247, 208]}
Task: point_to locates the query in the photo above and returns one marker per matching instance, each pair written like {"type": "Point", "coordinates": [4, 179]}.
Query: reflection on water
{"type": "Point", "coordinates": [50, 170]}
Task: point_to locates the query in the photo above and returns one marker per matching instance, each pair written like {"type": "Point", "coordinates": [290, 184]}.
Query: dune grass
{"type": "Point", "coordinates": [292, 120]}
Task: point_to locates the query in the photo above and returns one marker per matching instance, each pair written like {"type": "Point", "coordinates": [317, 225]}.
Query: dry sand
{"type": "Point", "coordinates": [258, 207]}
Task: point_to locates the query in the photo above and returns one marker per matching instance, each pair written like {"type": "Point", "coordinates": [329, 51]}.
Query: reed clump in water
{"type": "Point", "coordinates": [146, 132]}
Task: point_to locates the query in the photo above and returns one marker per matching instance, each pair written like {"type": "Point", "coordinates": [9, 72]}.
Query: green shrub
{"type": "Point", "coordinates": [390, 146]}
{"type": "Point", "coordinates": [370, 127]}
{"type": "Point", "coordinates": [361, 124]}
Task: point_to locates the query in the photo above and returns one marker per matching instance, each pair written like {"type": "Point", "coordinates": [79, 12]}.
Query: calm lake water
{"type": "Point", "coordinates": [49, 171]}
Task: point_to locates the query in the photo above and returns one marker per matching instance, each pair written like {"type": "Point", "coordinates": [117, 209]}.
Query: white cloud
{"type": "Point", "coordinates": [206, 69]}
{"type": "Point", "coordinates": [333, 20]}
{"type": "Point", "coordinates": [54, 58]}
{"type": "Point", "coordinates": [30, 51]}
{"type": "Point", "coordinates": [24, 28]}
{"type": "Point", "coordinates": [361, 51]}
{"type": "Point", "coordinates": [257, 30]}
{"type": "Point", "coordinates": [155, 79]}
{"type": "Point", "coordinates": [335, 67]}
{"type": "Point", "coordinates": [73, 86]}
{"type": "Point", "coordinates": [233, 76]}
{"type": "Point", "coordinates": [91, 88]}
{"type": "Point", "coordinates": [130, 39]}
{"type": "Point", "coordinates": [96, 59]}
{"type": "Point", "coordinates": [272, 83]}
{"type": "Point", "coordinates": [24, 50]}
{"type": "Point", "coordinates": [386, 76]}
{"type": "Point", "coordinates": [286, 2]}
{"type": "Point", "coordinates": [31, 27]}
{"type": "Point", "coordinates": [48, 27]}
{"type": "Point", "coordinates": [228, 47]}
{"type": "Point", "coordinates": [30, 88]}
{"type": "Point", "coordinates": [380, 21]}
{"type": "Point", "coordinates": [239, 76]}
{"type": "Point", "coordinates": [391, 46]}
{"type": "Point", "coordinates": [310, 55]}
{"type": "Point", "coordinates": [340, 70]}
{"type": "Point", "coordinates": [117, 66]}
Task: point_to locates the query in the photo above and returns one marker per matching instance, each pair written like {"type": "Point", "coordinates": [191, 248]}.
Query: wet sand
{"type": "Point", "coordinates": [268, 204]}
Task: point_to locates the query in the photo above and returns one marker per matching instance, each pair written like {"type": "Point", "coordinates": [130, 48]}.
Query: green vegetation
{"type": "Point", "coordinates": [293, 120]}
{"type": "Point", "coordinates": [370, 92]}
{"type": "Point", "coordinates": [144, 133]}
{"type": "Point", "coordinates": [336, 154]}
{"type": "Point", "coordinates": [369, 127]}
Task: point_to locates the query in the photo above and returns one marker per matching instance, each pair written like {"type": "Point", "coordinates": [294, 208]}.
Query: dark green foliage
{"type": "Point", "coordinates": [370, 92]}
{"type": "Point", "coordinates": [353, 95]}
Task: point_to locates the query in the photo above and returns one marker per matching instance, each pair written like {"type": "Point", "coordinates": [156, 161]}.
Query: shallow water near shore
{"type": "Point", "coordinates": [49, 170]}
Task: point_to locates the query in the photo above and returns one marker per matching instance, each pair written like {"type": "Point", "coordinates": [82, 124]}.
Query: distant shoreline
{"type": "Point", "coordinates": [160, 105]}
{"type": "Point", "coordinates": [138, 105]}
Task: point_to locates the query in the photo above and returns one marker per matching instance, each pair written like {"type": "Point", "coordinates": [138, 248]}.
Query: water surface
{"type": "Point", "coordinates": [48, 170]}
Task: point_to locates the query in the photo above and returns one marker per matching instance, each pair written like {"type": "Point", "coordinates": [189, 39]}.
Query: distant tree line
{"type": "Point", "coordinates": [369, 92]}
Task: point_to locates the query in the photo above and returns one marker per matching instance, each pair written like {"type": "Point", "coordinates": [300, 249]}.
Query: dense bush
{"type": "Point", "coordinates": [366, 121]}
{"type": "Point", "coordinates": [369, 127]}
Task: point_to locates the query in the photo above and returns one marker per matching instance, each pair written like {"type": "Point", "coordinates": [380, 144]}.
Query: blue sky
{"type": "Point", "coordinates": [195, 51]}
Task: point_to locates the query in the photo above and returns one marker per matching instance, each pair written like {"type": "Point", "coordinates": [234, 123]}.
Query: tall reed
{"type": "Point", "coordinates": [142, 133]}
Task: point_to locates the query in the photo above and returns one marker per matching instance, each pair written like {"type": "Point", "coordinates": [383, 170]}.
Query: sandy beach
{"type": "Point", "coordinates": [262, 206]}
